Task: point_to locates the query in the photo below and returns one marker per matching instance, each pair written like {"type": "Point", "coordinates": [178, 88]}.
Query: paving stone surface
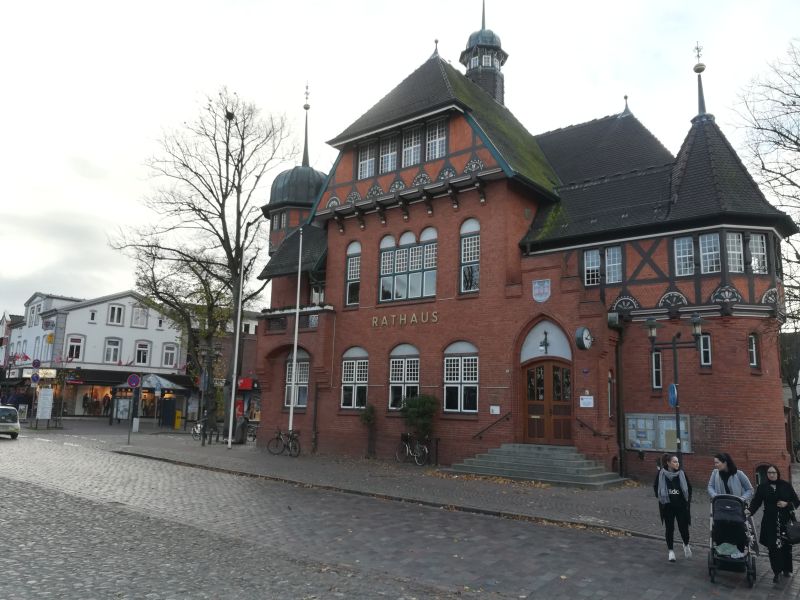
{"type": "Point", "coordinates": [89, 512]}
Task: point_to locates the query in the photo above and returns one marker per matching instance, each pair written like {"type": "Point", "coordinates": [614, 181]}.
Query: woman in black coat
{"type": "Point", "coordinates": [674, 493]}
{"type": "Point", "coordinates": [779, 499]}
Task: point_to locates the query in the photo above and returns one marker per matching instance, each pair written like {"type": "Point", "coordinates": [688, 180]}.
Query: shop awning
{"type": "Point", "coordinates": [11, 382]}
{"type": "Point", "coordinates": [152, 381]}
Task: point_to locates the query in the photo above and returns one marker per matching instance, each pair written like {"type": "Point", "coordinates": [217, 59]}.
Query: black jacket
{"type": "Point", "coordinates": [774, 517]}
{"type": "Point", "coordinates": [677, 501]}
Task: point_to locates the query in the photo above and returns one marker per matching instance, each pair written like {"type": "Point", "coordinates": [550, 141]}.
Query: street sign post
{"type": "Point", "coordinates": [672, 395]}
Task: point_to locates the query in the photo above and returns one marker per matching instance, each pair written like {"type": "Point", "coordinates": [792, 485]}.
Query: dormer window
{"type": "Point", "coordinates": [473, 62]}
{"type": "Point", "coordinates": [487, 60]}
{"type": "Point", "coordinates": [388, 154]}
{"type": "Point", "coordinates": [436, 146]}
{"type": "Point", "coordinates": [366, 161]}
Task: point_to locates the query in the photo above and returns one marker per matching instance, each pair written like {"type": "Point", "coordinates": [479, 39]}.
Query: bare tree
{"type": "Point", "coordinates": [209, 226]}
{"type": "Point", "coordinates": [770, 109]}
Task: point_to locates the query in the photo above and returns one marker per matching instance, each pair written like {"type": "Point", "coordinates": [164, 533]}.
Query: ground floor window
{"type": "Point", "coordinates": [647, 431]}
{"type": "Point", "coordinates": [461, 378]}
{"type": "Point", "coordinates": [403, 380]}
{"type": "Point", "coordinates": [302, 384]}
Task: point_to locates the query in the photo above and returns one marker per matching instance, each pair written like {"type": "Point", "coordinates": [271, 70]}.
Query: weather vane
{"type": "Point", "coordinates": [698, 49]}
{"type": "Point", "coordinates": [306, 106]}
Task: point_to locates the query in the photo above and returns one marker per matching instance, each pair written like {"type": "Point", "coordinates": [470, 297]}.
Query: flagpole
{"type": "Point", "coordinates": [235, 374]}
{"type": "Point", "coordinates": [296, 322]}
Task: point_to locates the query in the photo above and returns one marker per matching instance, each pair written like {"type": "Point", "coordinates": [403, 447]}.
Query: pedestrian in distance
{"type": "Point", "coordinates": [726, 478]}
{"type": "Point", "coordinates": [674, 493]}
{"type": "Point", "coordinates": [779, 500]}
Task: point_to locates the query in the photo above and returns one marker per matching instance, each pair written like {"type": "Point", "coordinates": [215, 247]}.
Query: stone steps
{"type": "Point", "coordinates": [557, 465]}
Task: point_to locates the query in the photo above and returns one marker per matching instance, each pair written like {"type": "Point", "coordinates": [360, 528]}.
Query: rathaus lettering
{"type": "Point", "coordinates": [402, 320]}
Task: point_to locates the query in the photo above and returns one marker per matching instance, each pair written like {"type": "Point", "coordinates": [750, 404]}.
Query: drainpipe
{"type": "Point", "coordinates": [620, 407]}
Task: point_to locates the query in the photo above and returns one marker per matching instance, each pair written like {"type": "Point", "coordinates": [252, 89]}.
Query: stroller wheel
{"type": "Point", "coordinates": [712, 573]}
{"type": "Point", "coordinates": [750, 579]}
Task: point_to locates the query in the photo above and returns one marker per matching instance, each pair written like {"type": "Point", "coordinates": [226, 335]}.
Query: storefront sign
{"type": "Point", "coordinates": [43, 373]}
{"type": "Point", "coordinates": [44, 409]}
{"type": "Point", "coordinates": [403, 319]}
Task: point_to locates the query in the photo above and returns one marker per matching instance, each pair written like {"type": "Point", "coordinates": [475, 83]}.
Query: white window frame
{"type": "Point", "coordinates": [116, 314]}
{"type": "Point", "coordinates": [710, 255]}
{"type": "Point", "coordinates": [458, 379]}
{"type": "Point", "coordinates": [656, 370]}
{"type": "Point", "coordinates": [408, 271]}
{"type": "Point", "coordinates": [403, 380]}
{"type": "Point", "coordinates": [366, 161]}
{"type": "Point", "coordinates": [752, 350]}
{"type": "Point", "coordinates": [684, 256]}
{"type": "Point", "coordinates": [613, 255]}
{"type": "Point", "coordinates": [75, 344]}
{"type": "Point", "coordinates": [474, 62]}
{"type": "Point", "coordinates": [352, 288]}
{"type": "Point", "coordinates": [591, 267]}
{"type": "Point", "coordinates": [355, 380]}
{"type": "Point", "coordinates": [142, 352]}
{"type": "Point", "coordinates": [388, 154]}
{"type": "Point", "coordinates": [114, 346]}
{"type": "Point", "coordinates": [139, 317]}
{"type": "Point", "coordinates": [647, 431]}
{"type": "Point", "coordinates": [92, 316]}
{"type": "Point", "coordinates": [705, 350]}
{"type": "Point", "coordinates": [436, 140]}
{"type": "Point", "coordinates": [758, 253]}
{"type": "Point", "coordinates": [303, 367]}
{"type": "Point", "coordinates": [412, 146]}
{"type": "Point", "coordinates": [470, 257]}
{"type": "Point", "coordinates": [735, 252]}
{"type": "Point", "coordinates": [169, 349]}
{"type": "Point", "coordinates": [487, 60]}
{"type": "Point", "coordinates": [37, 347]}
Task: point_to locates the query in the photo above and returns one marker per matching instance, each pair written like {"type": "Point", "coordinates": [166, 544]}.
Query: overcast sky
{"type": "Point", "coordinates": [90, 86]}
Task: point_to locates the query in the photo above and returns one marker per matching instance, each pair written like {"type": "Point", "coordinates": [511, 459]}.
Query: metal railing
{"type": "Point", "coordinates": [595, 433]}
{"type": "Point", "coordinates": [479, 435]}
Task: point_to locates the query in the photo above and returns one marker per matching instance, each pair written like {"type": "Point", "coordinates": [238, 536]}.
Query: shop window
{"type": "Point", "coordinates": [403, 375]}
{"type": "Point", "coordinates": [470, 256]}
{"type": "Point", "coordinates": [656, 432]}
{"type": "Point", "coordinates": [684, 256]}
{"type": "Point", "coordinates": [461, 378]}
{"type": "Point", "coordinates": [355, 375]}
{"type": "Point", "coordinates": [353, 274]}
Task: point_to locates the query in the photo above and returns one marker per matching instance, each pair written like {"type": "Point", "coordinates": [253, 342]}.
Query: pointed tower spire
{"type": "Point", "coordinates": [305, 144]}
{"type": "Point", "coordinates": [484, 57]}
{"type": "Point", "coordinates": [483, 16]}
{"type": "Point", "coordinates": [627, 110]}
{"type": "Point", "coordinates": [699, 68]}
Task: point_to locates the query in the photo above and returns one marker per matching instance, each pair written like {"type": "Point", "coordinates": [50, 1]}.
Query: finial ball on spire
{"type": "Point", "coordinates": [699, 68]}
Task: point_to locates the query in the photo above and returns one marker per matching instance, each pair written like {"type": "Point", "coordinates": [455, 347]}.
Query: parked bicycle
{"type": "Point", "coordinates": [410, 447]}
{"type": "Point", "coordinates": [288, 441]}
{"type": "Point", "coordinates": [197, 430]}
{"type": "Point", "coordinates": [252, 432]}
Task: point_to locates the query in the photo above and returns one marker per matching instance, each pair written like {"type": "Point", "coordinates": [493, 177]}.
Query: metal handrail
{"type": "Point", "coordinates": [479, 435]}
{"type": "Point", "coordinates": [595, 433]}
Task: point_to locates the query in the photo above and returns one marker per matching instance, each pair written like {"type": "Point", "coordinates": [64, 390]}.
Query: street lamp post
{"type": "Point", "coordinates": [675, 343]}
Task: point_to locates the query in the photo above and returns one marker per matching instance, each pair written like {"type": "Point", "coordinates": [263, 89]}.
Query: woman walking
{"type": "Point", "coordinates": [779, 499]}
{"type": "Point", "coordinates": [727, 479]}
{"type": "Point", "coordinates": [674, 493]}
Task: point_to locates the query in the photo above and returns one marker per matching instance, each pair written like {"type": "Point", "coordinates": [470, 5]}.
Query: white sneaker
{"type": "Point", "coordinates": [671, 556]}
{"type": "Point", "coordinates": [687, 551]}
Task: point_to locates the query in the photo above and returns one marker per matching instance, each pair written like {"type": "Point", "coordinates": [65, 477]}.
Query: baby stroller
{"type": "Point", "coordinates": [729, 524]}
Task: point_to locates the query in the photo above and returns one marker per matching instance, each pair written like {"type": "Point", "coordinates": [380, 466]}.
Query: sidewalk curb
{"type": "Point", "coordinates": [612, 530]}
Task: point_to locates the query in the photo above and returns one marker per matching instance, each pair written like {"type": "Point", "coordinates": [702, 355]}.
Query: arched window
{"type": "Point", "coordinates": [461, 378]}
{"type": "Point", "coordinates": [470, 256]}
{"type": "Point", "coordinates": [353, 274]}
{"type": "Point", "coordinates": [355, 371]}
{"type": "Point", "coordinates": [403, 375]}
{"type": "Point", "coordinates": [302, 379]}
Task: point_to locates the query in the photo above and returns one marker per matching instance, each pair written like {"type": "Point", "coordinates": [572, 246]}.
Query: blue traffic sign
{"type": "Point", "coordinates": [35, 378]}
{"type": "Point", "coordinates": [36, 363]}
{"type": "Point", "coordinates": [672, 395]}
{"type": "Point", "coordinates": [134, 380]}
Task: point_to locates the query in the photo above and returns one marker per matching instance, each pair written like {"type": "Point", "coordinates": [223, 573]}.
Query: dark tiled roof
{"type": "Point", "coordinates": [436, 85]}
{"type": "Point", "coordinates": [710, 179]}
{"type": "Point", "coordinates": [603, 147]}
{"type": "Point", "coordinates": [298, 186]}
{"type": "Point", "coordinates": [633, 201]}
{"type": "Point", "coordinates": [284, 260]}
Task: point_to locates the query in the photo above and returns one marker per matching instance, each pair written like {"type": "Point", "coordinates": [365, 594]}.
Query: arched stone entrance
{"type": "Point", "coordinates": [546, 386]}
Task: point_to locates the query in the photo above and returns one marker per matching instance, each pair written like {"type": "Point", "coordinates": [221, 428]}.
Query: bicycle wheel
{"type": "Point", "coordinates": [195, 433]}
{"type": "Point", "coordinates": [402, 452]}
{"type": "Point", "coordinates": [275, 445]}
{"type": "Point", "coordinates": [252, 434]}
{"type": "Point", "coordinates": [294, 447]}
{"type": "Point", "coordinates": [420, 454]}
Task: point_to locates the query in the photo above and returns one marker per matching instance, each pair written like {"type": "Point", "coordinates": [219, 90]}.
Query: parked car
{"type": "Point", "coordinates": [9, 421]}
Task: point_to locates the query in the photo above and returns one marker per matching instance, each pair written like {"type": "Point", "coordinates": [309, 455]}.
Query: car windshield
{"type": "Point", "coordinates": [8, 414]}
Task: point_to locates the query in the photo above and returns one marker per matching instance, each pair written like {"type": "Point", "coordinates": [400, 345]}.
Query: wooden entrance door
{"type": "Point", "coordinates": [548, 403]}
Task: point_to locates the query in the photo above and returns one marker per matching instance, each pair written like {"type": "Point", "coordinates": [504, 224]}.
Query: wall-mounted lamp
{"type": "Point", "coordinates": [544, 344]}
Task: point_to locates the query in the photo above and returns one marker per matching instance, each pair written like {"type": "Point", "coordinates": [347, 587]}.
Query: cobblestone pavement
{"type": "Point", "coordinates": [338, 545]}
